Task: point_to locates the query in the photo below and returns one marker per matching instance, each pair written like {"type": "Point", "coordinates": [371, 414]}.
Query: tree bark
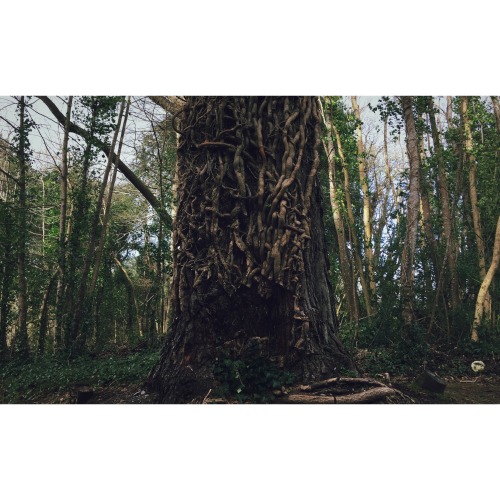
{"type": "Point", "coordinates": [131, 292]}
{"type": "Point", "coordinates": [61, 281]}
{"type": "Point", "coordinates": [78, 333]}
{"type": "Point", "coordinates": [496, 110]}
{"type": "Point", "coordinates": [476, 217]}
{"type": "Point", "coordinates": [250, 264]}
{"type": "Point", "coordinates": [8, 267]}
{"type": "Point", "coordinates": [345, 265]}
{"type": "Point", "coordinates": [363, 179]}
{"type": "Point", "coordinates": [483, 291]}
{"type": "Point", "coordinates": [352, 226]}
{"type": "Point", "coordinates": [21, 340]}
{"type": "Point", "coordinates": [407, 259]}
{"type": "Point", "coordinates": [107, 205]}
{"type": "Point", "coordinates": [445, 204]}
{"type": "Point", "coordinates": [388, 171]}
{"type": "Point", "coordinates": [44, 315]}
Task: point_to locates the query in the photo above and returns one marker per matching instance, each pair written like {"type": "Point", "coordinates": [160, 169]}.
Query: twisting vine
{"type": "Point", "coordinates": [246, 178]}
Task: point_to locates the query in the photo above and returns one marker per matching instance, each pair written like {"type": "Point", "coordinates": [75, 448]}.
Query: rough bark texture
{"type": "Point", "coordinates": [250, 266]}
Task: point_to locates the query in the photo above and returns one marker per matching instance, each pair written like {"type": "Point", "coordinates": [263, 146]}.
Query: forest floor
{"type": "Point", "coordinates": [118, 378]}
{"type": "Point", "coordinates": [459, 390]}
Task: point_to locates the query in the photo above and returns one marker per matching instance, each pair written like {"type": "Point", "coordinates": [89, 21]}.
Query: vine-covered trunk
{"type": "Point", "coordinates": [250, 266]}
{"type": "Point", "coordinates": [407, 259]}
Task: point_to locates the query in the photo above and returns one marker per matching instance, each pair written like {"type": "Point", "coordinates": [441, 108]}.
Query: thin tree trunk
{"type": "Point", "coordinates": [425, 208]}
{"type": "Point", "coordinates": [445, 204]}
{"type": "Point", "coordinates": [496, 110]}
{"type": "Point", "coordinates": [7, 278]}
{"type": "Point", "coordinates": [449, 111]}
{"type": "Point", "coordinates": [483, 291]}
{"type": "Point", "coordinates": [407, 259]}
{"type": "Point", "coordinates": [44, 314]}
{"type": "Point", "coordinates": [21, 340]}
{"type": "Point", "coordinates": [345, 266]}
{"type": "Point", "coordinates": [131, 287]}
{"type": "Point", "coordinates": [363, 179]}
{"type": "Point", "coordinates": [352, 227]}
{"type": "Point", "coordinates": [388, 171]}
{"type": "Point", "coordinates": [78, 333]}
{"type": "Point", "coordinates": [476, 218]}
{"type": "Point", "coordinates": [107, 209]}
{"type": "Point", "coordinates": [61, 281]}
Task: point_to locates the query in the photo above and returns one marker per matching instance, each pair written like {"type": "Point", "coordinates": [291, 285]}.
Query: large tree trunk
{"type": "Point", "coordinates": [250, 264]}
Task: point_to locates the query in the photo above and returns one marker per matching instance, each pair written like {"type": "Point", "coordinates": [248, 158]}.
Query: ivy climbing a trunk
{"type": "Point", "coordinates": [250, 264]}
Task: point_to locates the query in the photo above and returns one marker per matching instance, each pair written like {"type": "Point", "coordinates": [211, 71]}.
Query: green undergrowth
{"type": "Point", "coordinates": [384, 346]}
{"type": "Point", "coordinates": [30, 380]}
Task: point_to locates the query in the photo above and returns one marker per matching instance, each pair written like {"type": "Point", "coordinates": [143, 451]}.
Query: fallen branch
{"type": "Point", "coordinates": [368, 396]}
{"type": "Point", "coordinates": [334, 381]}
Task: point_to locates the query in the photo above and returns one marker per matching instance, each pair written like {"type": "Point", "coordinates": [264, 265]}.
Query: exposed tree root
{"type": "Point", "coordinates": [335, 381]}
{"type": "Point", "coordinates": [336, 390]}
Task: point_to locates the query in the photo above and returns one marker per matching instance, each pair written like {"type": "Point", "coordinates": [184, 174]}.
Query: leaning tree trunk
{"type": "Point", "coordinates": [250, 264]}
{"type": "Point", "coordinates": [483, 291]}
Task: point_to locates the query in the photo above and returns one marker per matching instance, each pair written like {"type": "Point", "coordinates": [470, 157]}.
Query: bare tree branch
{"type": "Point", "coordinates": [122, 167]}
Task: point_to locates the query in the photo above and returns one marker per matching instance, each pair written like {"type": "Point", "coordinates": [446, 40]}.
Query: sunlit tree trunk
{"type": "Point", "coordinates": [388, 170]}
{"type": "Point", "coordinates": [425, 208]}
{"type": "Point", "coordinates": [483, 291]}
{"type": "Point", "coordinates": [107, 205]}
{"type": "Point", "coordinates": [407, 259]}
{"type": "Point", "coordinates": [352, 227]}
{"type": "Point", "coordinates": [496, 110]}
{"type": "Point", "coordinates": [345, 266]}
{"type": "Point", "coordinates": [78, 333]}
{"type": "Point", "coordinates": [250, 262]}
{"type": "Point", "coordinates": [363, 179]}
{"type": "Point", "coordinates": [449, 110]}
{"type": "Point", "coordinates": [476, 218]}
